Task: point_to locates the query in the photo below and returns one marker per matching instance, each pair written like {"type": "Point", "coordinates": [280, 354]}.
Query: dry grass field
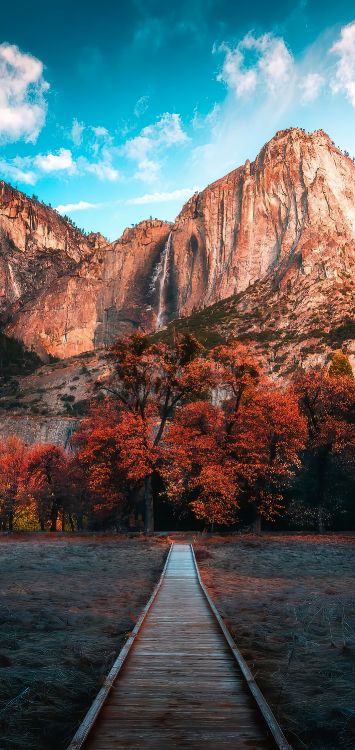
{"type": "Point", "coordinates": [66, 607]}
{"type": "Point", "coordinates": [290, 603]}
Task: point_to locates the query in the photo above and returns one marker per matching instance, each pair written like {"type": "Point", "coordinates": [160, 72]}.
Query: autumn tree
{"type": "Point", "coordinates": [45, 481]}
{"type": "Point", "coordinates": [112, 451]}
{"type": "Point", "coordinates": [328, 403]}
{"type": "Point", "coordinates": [12, 461]}
{"type": "Point", "coordinates": [149, 381]}
{"type": "Point", "coordinates": [244, 450]}
{"type": "Point", "coordinates": [196, 468]}
{"type": "Point", "coordinates": [266, 437]}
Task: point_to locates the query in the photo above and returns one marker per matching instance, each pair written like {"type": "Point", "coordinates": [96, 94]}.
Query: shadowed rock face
{"type": "Point", "coordinates": [288, 218]}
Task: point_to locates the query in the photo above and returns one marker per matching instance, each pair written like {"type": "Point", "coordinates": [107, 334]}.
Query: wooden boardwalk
{"type": "Point", "coordinates": [180, 686]}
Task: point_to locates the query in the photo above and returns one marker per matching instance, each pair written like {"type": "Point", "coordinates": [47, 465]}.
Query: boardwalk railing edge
{"type": "Point", "coordinates": [264, 708]}
{"type": "Point", "coordinates": [98, 702]}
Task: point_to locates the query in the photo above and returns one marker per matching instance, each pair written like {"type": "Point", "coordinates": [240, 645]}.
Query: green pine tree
{"type": "Point", "coordinates": [340, 366]}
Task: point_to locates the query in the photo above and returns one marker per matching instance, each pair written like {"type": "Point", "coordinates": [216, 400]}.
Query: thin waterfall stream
{"type": "Point", "coordinates": [160, 280]}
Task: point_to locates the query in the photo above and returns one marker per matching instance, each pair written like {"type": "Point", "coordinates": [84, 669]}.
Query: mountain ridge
{"type": "Point", "coordinates": [284, 222]}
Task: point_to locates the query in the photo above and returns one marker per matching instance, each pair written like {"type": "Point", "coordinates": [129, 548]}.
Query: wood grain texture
{"type": "Point", "coordinates": [180, 686]}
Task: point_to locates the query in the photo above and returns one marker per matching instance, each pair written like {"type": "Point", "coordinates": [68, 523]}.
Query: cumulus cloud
{"type": "Point", "coordinates": [311, 86]}
{"type": "Point", "coordinates": [344, 48]}
{"type": "Point", "coordinates": [22, 95]}
{"type": "Point", "coordinates": [166, 132]}
{"type": "Point", "coordinates": [255, 61]}
{"type": "Point", "coordinates": [80, 206]}
{"type": "Point", "coordinates": [59, 162]}
{"type": "Point", "coordinates": [150, 198]}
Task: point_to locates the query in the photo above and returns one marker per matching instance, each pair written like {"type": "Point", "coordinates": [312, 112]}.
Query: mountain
{"type": "Point", "coordinates": [268, 250]}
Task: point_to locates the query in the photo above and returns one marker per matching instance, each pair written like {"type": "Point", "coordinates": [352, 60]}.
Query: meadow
{"type": "Point", "coordinates": [66, 607]}
{"type": "Point", "coordinates": [290, 603]}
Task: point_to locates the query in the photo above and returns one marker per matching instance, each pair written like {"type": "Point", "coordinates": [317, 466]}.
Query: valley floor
{"type": "Point", "coordinates": [290, 603]}
{"type": "Point", "coordinates": [66, 606]}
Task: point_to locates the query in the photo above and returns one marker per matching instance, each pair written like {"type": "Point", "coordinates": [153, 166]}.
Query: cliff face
{"type": "Point", "coordinates": [280, 230]}
{"type": "Point", "coordinates": [76, 292]}
{"type": "Point", "coordinates": [297, 198]}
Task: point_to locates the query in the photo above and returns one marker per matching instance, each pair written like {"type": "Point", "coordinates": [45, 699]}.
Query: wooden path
{"type": "Point", "coordinates": [180, 685]}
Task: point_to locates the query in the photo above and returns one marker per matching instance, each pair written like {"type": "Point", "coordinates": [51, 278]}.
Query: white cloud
{"type": "Point", "coordinates": [103, 170]}
{"type": "Point", "coordinates": [174, 195]}
{"type": "Point", "coordinates": [263, 60]}
{"type": "Point", "coordinates": [15, 173]}
{"type": "Point", "coordinates": [204, 121]}
{"type": "Point", "coordinates": [76, 132]}
{"type": "Point", "coordinates": [153, 139]}
{"type": "Point", "coordinates": [22, 103]}
{"type": "Point", "coordinates": [100, 131]}
{"type": "Point", "coordinates": [62, 161]}
{"type": "Point", "coordinates": [80, 206]}
{"type": "Point", "coordinates": [311, 86]}
{"type": "Point", "coordinates": [148, 170]}
{"type": "Point", "coordinates": [167, 131]}
{"type": "Point", "coordinates": [344, 48]}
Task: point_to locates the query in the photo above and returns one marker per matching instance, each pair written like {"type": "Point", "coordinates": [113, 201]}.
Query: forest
{"type": "Point", "coordinates": [193, 438]}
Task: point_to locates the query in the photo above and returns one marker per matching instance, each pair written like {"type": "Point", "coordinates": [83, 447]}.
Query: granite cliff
{"type": "Point", "coordinates": [275, 239]}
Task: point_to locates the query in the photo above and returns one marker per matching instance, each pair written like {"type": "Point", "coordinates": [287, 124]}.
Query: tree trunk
{"type": "Point", "coordinates": [72, 527]}
{"type": "Point", "coordinates": [321, 471]}
{"type": "Point", "coordinates": [54, 518]}
{"type": "Point", "coordinates": [149, 505]}
{"type": "Point", "coordinates": [257, 523]}
{"type": "Point", "coordinates": [63, 521]}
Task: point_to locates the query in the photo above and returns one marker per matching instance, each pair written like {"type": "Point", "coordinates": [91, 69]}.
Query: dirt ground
{"type": "Point", "coordinates": [66, 607]}
{"type": "Point", "coordinates": [290, 604]}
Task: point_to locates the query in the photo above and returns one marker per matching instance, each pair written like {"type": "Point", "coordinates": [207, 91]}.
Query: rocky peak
{"type": "Point", "coordinates": [295, 198]}
{"type": "Point", "coordinates": [286, 219]}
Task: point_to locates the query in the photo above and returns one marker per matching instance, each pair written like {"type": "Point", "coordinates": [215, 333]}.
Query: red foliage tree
{"type": "Point", "coordinates": [266, 437]}
{"type": "Point", "coordinates": [197, 470]}
{"type": "Point", "coordinates": [328, 403]}
{"type": "Point", "coordinates": [12, 461]}
{"type": "Point", "coordinates": [150, 380]}
{"type": "Point", "coordinates": [114, 453]}
{"type": "Point", "coordinates": [45, 480]}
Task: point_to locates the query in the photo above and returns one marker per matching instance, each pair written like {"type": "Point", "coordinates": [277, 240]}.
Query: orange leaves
{"type": "Point", "coordinates": [196, 468]}
{"type": "Point", "coordinates": [328, 403]}
{"type": "Point", "coordinates": [12, 459]}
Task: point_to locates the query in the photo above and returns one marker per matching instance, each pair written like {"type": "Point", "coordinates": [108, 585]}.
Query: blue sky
{"type": "Point", "coordinates": [116, 111]}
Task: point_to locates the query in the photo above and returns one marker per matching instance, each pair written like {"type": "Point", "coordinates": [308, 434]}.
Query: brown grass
{"type": "Point", "coordinates": [66, 607]}
{"type": "Point", "coordinates": [290, 604]}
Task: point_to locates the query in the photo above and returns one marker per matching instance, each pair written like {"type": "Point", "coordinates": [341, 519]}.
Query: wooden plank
{"type": "Point", "coordinates": [181, 686]}
{"type": "Point", "coordinates": [95, 708]}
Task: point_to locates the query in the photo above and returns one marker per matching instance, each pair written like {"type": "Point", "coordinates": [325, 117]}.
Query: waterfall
{"type": "Point", "coordinates": [159, 281]}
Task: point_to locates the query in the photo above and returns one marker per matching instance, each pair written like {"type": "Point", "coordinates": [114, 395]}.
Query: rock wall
{"type": "Point", "coordinates": [33, 430]}
{"type": "Point", "coordinates": [298, 194]}
{"type": "Point", "coordinates": [290, 213]}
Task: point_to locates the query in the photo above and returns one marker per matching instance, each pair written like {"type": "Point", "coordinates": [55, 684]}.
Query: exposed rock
{"type": "Point", "coordinates": [294, 204]}
{"type": "Point", "coordinates": [38, 429]}
{"type": "Point", "coordinates": [103, 296]}
{"type": "Point", "coordinates": [279, 233]}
